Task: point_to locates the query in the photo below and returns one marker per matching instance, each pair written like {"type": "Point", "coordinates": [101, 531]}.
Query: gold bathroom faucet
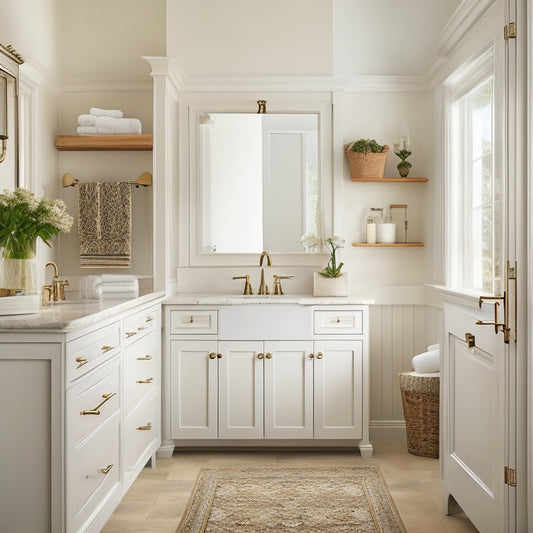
{"type": "Point", "coordinates": [263, 288]}
{"type": "Point", "coordinates": [55, 291]}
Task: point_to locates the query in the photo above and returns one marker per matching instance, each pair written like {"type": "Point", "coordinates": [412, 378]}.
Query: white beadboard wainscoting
{"type": "Point", "coordinates": [397, 333]}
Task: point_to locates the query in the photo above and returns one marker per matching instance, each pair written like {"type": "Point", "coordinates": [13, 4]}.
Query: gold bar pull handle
{"type": "Point", "coordinates": [105, 470]}
{"type": "Point", "coordinates": [149, 318]}
{"type": "Point", "coordinates": [130, 334]}
{"type": "Point", "coordinates": [106, 348]}
{"type": "Point", "coordinates": [82, 361]}
{"type": "Point", "coordinates": [145, 381]}
{"type": "Point", "coordinates": [148, 427]}
{"type": "Point", "coordinates": [96, 410]}
{"type": "Point", "coordinates": [144, 358]}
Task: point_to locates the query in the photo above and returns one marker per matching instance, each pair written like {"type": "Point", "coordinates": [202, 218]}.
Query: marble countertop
{"type": "Point", "coordinates": [74, 313]}
{"type": "Point", "coordinates": [240, 299]}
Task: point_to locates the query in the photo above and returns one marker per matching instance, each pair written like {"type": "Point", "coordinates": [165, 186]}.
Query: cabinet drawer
{"type": "Point", "coordinates": [141, 432]}
{"type": "Point", "coordinates": [93, 473]}
{"type": "Point", "coordinates": [337, 322]}
{"type": "Point", "coordinates": [193, 322]}
{"type": "Point", "coordinates": [141, 371]}
{"type": "Point", "coordinates": [89, 351]}
{"type": "Point", "coordinates": [141, 324]}
{"type": "Point", "coordinates": [92, 401]}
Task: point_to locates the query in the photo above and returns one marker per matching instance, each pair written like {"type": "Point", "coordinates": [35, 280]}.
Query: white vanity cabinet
{"type": "Point", "coordinates": [74, 397]}
{"type": "Point", "coordinates": [249, 373]}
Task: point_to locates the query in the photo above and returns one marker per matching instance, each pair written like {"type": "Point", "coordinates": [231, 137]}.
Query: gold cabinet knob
{"type": "Point", "coordinates": [260, 356]}
{"type": "Point", "coordinates": [212, 355]}
{"type": "Point", "coordinates": [219, 355]}
{"type": "Point", "coordinates": [311, 355]}
{"type": "Point", "coordinates": [268, 355]}
{"type": "Point", "coordinates": [319, 355]}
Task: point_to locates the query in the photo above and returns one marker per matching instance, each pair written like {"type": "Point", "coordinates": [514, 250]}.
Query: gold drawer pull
{"type": "Point", "coordinates": [106, 348]}
{"type": "Point", "coordinates": [145, 358]}
{"type": "Point", "coordinates": [82, 361]}
{"type": "Point", "coordinates": [149, 318]}
{"type": "Point", "coordinates": [105, 470]}
{"type": "Point", "coordinates": [96, 410]}
{"type": "Point", "coordinates": [140, 328]}
{"type": "Point", "coordinates": [130, 334]}
{"type": "Point", "coordinates": [145, 381]}
{"type": "Point", "coordinates": [148, 427]}
{"type": "Point", "coordinates": [319, 355]}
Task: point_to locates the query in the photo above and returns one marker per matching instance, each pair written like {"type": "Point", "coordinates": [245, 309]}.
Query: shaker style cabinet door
{"type": "Point", "coordinates": [338, 380]}
{"type": "Point", "coordinates": [288, 390]}
{"type": "Point", "coordinates": [193, 396]}
{"type": "Point", "coordinates": [241, 389]}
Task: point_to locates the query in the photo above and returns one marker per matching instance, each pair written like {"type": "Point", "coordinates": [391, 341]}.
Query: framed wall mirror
{"type": "Point", "coordinates": [9, 118]}
{"type": "Point", "coordinates": [258, 181]}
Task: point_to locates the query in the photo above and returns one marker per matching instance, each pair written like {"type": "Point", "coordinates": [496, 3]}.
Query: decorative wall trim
{"type": "Point", "coordinates": [387, 430]}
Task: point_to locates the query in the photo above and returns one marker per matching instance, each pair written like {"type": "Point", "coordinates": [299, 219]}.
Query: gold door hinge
{"type": "Point", "coordinates": [509, 31]}
{"type": "Point", "coordinates": [511, 271]}
{"type": "Point", "coordinates": [510, 476]}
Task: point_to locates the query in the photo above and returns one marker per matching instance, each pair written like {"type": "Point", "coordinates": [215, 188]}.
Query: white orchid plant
{"type": "Point", "coordinates": [332, 269]}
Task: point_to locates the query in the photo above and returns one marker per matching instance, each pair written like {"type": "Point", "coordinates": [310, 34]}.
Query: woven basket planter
{"type": "Point", "coordinates": [420, 400]}
{"type": "Point", "coordinates": [369, 165]}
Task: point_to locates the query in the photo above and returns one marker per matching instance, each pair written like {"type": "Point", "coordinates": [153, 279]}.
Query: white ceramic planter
{"type": "Point", "coordinates": [330, 286]}
{"type": "Point", "coordinates": [386, 232]}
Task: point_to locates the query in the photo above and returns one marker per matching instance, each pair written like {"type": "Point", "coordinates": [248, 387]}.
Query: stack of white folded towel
{"type": "Point", "coordinates": [107, 122]}
{"type": "Point", "coordinates": [427, 362]}
{"type": "Point", "coordinates": [109, 286]}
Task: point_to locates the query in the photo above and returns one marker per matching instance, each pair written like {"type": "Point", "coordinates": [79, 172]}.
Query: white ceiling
{"type": "Point", "coordinates": [387, 37]}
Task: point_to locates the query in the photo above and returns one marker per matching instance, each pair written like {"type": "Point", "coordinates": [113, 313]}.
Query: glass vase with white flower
{"type": "Point", "coordinates": [23, 219]}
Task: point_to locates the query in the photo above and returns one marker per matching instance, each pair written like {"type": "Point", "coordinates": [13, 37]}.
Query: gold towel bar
{"type": "Point", "coordinates": [145, 179]}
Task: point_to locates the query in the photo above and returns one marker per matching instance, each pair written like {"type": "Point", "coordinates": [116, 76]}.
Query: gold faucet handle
{"type": "Point", "coordinates": [247, 285]}
{"type": "Point", "coordinates": [62, 284]}
{"type": "Point", "coordinates": [46, 294]}
{"type": "Point", "coordinates": [277, 283]}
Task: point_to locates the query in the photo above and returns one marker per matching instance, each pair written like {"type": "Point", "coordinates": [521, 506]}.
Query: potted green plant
{"type": "Point", "coordinates": [366, 158]}
{"type": "Point", "coordinates": [330, 281]}
{"type": "Point", "coordinates": [401, 149]}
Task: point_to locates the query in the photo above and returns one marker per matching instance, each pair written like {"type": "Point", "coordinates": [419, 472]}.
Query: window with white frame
{"type": "Point", "coordinates": [475, 213]}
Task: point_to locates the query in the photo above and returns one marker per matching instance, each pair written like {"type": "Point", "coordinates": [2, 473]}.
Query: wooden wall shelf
{"type": "Point", "coordinates": [70, 143]}
{"type": "Point", "coordinates": [392, 180]}
{"type": "Point", "coordinates": [391, 245]}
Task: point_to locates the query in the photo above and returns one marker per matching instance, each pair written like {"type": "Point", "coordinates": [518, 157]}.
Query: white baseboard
{"type": "Point", "coordinates": [387, 430]}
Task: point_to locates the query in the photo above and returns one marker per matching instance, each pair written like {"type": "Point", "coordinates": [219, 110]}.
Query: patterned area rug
{"type": "Point", "coordinates": [256, 499]}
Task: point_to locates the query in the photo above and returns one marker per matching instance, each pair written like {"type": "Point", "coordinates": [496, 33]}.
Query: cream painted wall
{"type": "Point", "coordinates": [239, 37]}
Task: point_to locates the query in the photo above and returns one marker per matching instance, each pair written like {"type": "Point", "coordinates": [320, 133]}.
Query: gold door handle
{"type": "Point", "coordinates": [268, 355]}
{"type": "Point", "coordinates": [106, 348]}
{"type": "Point", "coordinates": [319, 355]}
{"type": "Point", "coordinates": [96, 410]}
{"type": "Point", "coordinates": [145, 381]}
{"type": "Point", "coordinates": [470, 340]}
{"type": "Point", "coordinates": [130, 334]}
{"type": "Point", "coordinates": [212, 355]}
{"type": "Point", "coordinates": [145, 358]}
{"type": "Point", "coordinates": [148, 427]}
{"type": "Point", "coordinates": [82, 361]}
{"type": "Point", "coordinates": [311, 355]}
{"type": "Point", "coordinates": [498, 326]}
{"type": "Point", "coordinates": [260, 356]}
{"type": "Point", "coordinates": [105, 470]}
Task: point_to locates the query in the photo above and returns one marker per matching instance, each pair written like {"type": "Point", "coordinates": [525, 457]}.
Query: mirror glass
{"type": "Point", "coordinates": [258, 186]}
{"type": "Point", "coordinates": [8, 124]}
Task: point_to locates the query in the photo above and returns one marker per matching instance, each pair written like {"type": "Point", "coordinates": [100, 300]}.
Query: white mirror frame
{"type": "Point", "coordinates": [191, 104]}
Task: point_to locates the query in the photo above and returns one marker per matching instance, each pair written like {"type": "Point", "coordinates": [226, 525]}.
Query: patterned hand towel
{"type": "Point", "coordinates": [104, 224]}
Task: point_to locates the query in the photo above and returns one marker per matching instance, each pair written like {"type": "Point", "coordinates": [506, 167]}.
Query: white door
{"type": "Point", "coordinates": [288, 390]}
{"type": "Point", "coordinates": [480, 401]}
{"type": "Point", "coordinates": [193, 397]}
{"type": "Point", "coordinates": [241, 390]}
{"type": "Point", "coordinates": [338, 383]}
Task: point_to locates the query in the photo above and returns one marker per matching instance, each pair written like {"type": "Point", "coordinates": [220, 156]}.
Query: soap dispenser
{"type": "Point", "coordinates": [371, 225]}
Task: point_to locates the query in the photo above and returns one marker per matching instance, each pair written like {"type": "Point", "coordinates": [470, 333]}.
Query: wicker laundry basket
{"type": "Point", "coordinates": [420, 399]}
{"type": "Point", "coordinates": [369, 165]}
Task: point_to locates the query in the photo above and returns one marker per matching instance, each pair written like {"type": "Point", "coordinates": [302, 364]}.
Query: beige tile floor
{"type": "Point", "coordinates": [156, 500]}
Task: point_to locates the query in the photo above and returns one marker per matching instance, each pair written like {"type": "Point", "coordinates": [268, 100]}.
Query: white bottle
{"type": "Point", "coordinates": [370, 231]}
